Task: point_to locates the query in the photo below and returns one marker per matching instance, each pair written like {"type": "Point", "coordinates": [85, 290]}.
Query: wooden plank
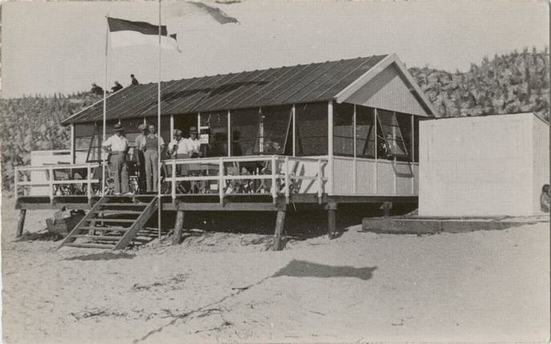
{"type": "Point", "coordinates": [371, 199]}
{"type": "Point", "coordinates": [280, 223]}
{"type": "Point", "coordinates": [21, 222]}
{"type": "Point", "coordinates": [178, 227]}
{"type": "Point", "coordinates": [48, 205]}
{"type": "Point", "coordinates": [77, 229]}
{"type": "Point", "coordinates": [118, 229]}
{"type": "Point", "coordinates": [260, 206]}
{"type": "Point", "coordinates": [103, 219]}
{"type": "Point", "coordinates": [138, 224]}
{"type": "Point", "coordinates": [119, 212]}
{"type": "Point", "coordinates": [125, 204]}
{"type": "Point", "coordinates": [98, 237]}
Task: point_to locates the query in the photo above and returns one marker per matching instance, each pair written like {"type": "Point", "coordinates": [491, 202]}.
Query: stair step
{"type": "Point", "coordinates": [105, 246]}
{"type": "Point", "coordinates": [99, 237]}
{"type": "Point", "coordinates": [103, 219]}
{"type": "Point", "coordinates": [120, 229]}
{"type": "Point", "coordinates": [117, 212]}
{"type": "Point", "coordinates": [124, 205]}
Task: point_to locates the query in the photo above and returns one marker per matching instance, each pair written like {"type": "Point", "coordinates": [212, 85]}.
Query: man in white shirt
{"type": "Point", "coordinates": [179, 148]}
{"type": "Point", "coordinates": [117, 146]}
{"type": "Point", "coordinates": [194, 143]}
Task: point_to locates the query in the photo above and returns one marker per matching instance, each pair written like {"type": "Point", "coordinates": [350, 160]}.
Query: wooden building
{"type": "Point", "coordinates": [483, 165]}
{"type": "Point", "coordinates": [322, 134]}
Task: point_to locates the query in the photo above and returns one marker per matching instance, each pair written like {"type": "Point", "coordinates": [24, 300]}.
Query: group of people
{"type": "Point", "coordinates": [97, 90]}
{"type": "Point", "coordinates": [148, 147]}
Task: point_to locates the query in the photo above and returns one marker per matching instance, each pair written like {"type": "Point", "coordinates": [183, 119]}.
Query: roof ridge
{"type": "Point", "coordinates": [270, 68]}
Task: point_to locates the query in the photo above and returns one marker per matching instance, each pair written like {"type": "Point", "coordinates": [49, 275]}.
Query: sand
{"type": "Point", "coordinates": [479, 286]}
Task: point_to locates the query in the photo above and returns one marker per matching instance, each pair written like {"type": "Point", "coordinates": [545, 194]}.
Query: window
{"type": "Point", "coordinates": [390, 140]}
{"type": "Point", "coordinates": [416, 139]}
{"type": "Point", "coordinates": [244, 128]}
{"type": "Point", "coordinates": [365, 133]}
{"type": "Point", "coordinates": [311, 129]}
{"type": "Point", "coordinates": [343, 130]}
{"type": "Point", "coordinates": [217, 122]}
{"type": "Point", "coordinates": [84, 132]}
{"type": "Point", "coordinates": [404, 123]}
{"type": "Point", "coordinates": [264, 130]}
{"type": "Point", "coordinates": [94, 151]}
{"type": "Point", "coordinates": [275, 130]}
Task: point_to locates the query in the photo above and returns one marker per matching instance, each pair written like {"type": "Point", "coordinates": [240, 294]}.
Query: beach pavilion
{"type": "Point", "coordinates": [320, 134]}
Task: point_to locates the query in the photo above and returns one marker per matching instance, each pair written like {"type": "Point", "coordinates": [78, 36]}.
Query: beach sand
{"type": "Point", "coordinates": [218, 287]}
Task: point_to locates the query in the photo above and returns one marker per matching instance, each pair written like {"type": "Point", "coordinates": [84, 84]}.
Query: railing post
{"type": "Point", "coordinates": [50, 182]}
{"type": "Point", "coordinates": [89, 182]}
{"type": "Point", "coordinates": [221, 180]}
{"type": "Point", "coordinates": [274, 190]}
{"type": "Point", "coordinates": [15, 177]}
{"type": "Point", "coordinates": [173, 181]}
{"type": "Point", "coordinates": [103, 176]}
{"type": "Point", "coordinates": [287, 180]}
{"type": "Point", "coordinates": [320, 181]}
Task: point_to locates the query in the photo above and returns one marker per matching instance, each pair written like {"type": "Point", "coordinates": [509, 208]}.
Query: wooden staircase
{"type": "Point", "coordinates": [114, 222]}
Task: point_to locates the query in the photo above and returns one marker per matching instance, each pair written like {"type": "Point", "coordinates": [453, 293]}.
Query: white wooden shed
{"type": "Point", "coordinates": [483, 166]}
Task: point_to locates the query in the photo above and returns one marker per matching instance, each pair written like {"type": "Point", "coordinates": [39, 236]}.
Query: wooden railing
{"type": "Point", "coordinates": [59, 180]}
{"type": "Point", "coordinates": [250, 175]}
{"type": "Point", "coordinates": [253, 175]}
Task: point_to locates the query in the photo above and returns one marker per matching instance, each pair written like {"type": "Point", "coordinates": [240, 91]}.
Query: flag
{"type": "Point", "coordinates": [125, 33]}
{"type": "Point", "coordinates": [174, 41]}
{"type": "Point", "coordinates": [216, 13]}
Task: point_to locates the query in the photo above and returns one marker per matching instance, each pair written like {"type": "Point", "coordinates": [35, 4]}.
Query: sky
{"type": "Point", "coordinates": [59, 47]}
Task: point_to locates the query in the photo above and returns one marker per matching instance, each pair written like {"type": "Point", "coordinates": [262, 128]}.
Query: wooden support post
{"type": "Point", "coordinates": [280, 223]}
{"type": "Point", "coordinates": [21, 222]}
{"type": "Point", "coordinates": [178, 227]}
{"type": "Point", "coordinates": [331, 220]}
{"type": "Point", "coordinates": [387, 206]}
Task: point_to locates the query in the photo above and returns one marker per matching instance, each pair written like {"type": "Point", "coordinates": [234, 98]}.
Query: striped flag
{"type": "Point", "coordinates": [125, 33]}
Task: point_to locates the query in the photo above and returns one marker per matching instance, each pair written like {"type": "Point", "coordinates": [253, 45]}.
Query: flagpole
{"type": "Point", "coordinates": [104, 124]}
{"type": "Point", "coordinates": [159, 132]}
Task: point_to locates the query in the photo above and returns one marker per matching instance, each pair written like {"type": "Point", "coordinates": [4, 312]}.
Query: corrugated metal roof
{"type": "Point", "coordinates": [274, 86]}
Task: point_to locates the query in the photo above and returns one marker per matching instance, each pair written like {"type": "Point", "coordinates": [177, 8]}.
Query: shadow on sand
{"type": "Point", "coordinates": [102, 256]}
{"type": "Point", "coordinates": [300, 268]}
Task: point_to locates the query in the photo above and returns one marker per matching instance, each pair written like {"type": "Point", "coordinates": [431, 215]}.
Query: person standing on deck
{"type": "Point", "coordinates": [151, 157]}
{"type": "Point", "coordinates": [140, 145]}
{"type": "Point", "coordinates": [179, 148]}
{"type": "Point", "coordinates": [194, 143]}
{"type": "Point", "coordinates": [117, 147]}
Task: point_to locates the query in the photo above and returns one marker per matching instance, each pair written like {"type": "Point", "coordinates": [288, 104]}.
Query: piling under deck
{"type": "Point", "coordinates": [194, 202]}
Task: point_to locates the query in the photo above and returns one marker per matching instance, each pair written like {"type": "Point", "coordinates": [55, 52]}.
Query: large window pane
{"type": "Point", "coordinates": [311, 129]}
{"type": "Point", "coordinates": [275, 131]}
{"type": "Point", "coordinates": [83, 136]}
{"type": "Point", "coordinates": [391, 142]}
{"type": "Point", "coordinates": [217, 123]}
{"type": "Point", "coordinates": [244, 127]}
{"type": "Point", "coordinates": [404, 123]}
{"type": "Point", "coordinates": [264, 130]}
{"type": "Point", "coordinates": [343, 130]}
{"type": "Point", "coordinates": [365, 133]}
